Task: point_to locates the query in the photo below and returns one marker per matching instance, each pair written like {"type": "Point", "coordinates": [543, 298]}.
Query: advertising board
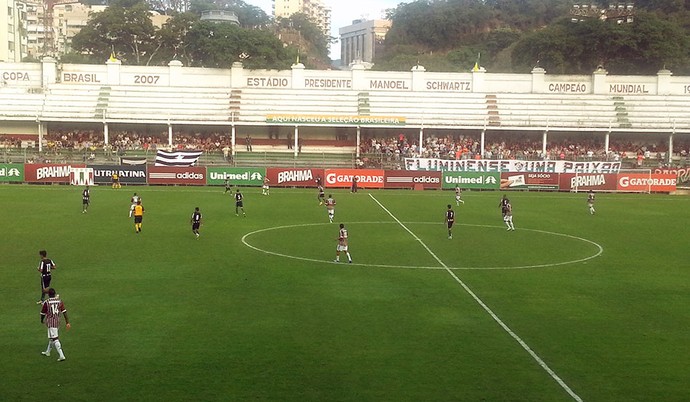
{"type": "Point", "coordinates": [294, 177]}
{"type": "Point", "coordinates": [48, 173]}
{"type": "Point", "coordinates": [11, 172]}
{"type": "Point", "coordinates": [127, 174]}
{"type": "Point", "coordinates": [471, 180]}
{"type": "Point", "coordinates": [366, 178]}
{"type": "Point", "coordinates": [235, 176]}
{"type": "Point", "coordinates": [177, 175]}
{"type": "Point", "coordinates": [411, 179]}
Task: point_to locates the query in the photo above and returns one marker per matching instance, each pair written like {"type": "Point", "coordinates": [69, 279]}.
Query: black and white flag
{"type": "Point", "coordinates": [177, 158]}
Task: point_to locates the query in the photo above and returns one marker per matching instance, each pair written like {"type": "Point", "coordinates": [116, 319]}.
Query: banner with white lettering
{"type": "Point", "coordinates": [11, 172]}
{"type": "Point", "coordinates": [682, 175]}
{"type": "Point", "coordinates": [295, 177]}
{"type": "Point", "coordinates": [48, 173]}
{"type": "Point", "coordinates": [509, 166]}
{"type": "Point", "coordinates": [647, 182]}
{"type": "Point", "coordinates": [473, 180]}
{"type": "Point", "coordinates": [177, 175]}
{"type": "Point", "coordinates": [235, 176]}
{"type": "Point", "coordinates": [412, 179]}
{"type": "Point", "coordinates": [102, 174]}
{"type": "Point", "coordinates": [587, 181]}
{"type": "Point", "coordinates": [366, 178]}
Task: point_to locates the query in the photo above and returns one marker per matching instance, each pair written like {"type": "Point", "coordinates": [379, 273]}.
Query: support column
{"type": "Point", "coordinates": [421, 139]}
{"type": "Point", "coordinates": [482, 144]}
{"type": "Point", "coordinates": [607, 141]}
{"type": "Point", "coordinates": [105, 133]}
{"type": "Point", "coordinates": [669, 154]}
{"type": "Point", "coordinates": [233, 136]}
{"type": "Point", "coordinates": [295, 144]}
{"type": "Point", "coordinates": [359, 141]}
{"type": "Point", "coordinates": [40, 137]}
{"type": "Point", "coordinates": [543, 143]}
{"type": "Point", "coordinates": [170, 136]}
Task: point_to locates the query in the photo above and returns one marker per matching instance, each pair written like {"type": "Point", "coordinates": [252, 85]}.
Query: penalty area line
{"type": "Point", "coordinates": [486, 308]}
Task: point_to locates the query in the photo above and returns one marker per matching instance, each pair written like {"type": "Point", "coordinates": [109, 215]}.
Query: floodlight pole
{"type": "Point", "coordinates": [170, 135]}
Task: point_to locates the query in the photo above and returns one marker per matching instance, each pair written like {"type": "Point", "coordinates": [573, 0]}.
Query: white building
{"type": "Point", "coordinates": [362, 40]}
{"type": "Point", "coordinates": [13, 43]}
{"type": "Point", "coordinates": [315, 9]}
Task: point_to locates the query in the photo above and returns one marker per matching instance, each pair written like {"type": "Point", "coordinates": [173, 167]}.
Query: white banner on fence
{"type": "Point", "coordinates": [510, 166]}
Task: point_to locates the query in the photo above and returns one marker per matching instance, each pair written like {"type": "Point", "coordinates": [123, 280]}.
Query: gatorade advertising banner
{"type": "Point", "coordinates": [366, 178]}
{"type": "Point", "coordinates": [103, 174]}
{"type": "Point", "coordinates": [46, 173]}
{"type": "Point", "coordinates": [294, 177]}
{"type": "Point", "coordinates": [587, 181]}
{"type": "Point", "coordinates": [644, 182]}
{"type": "Point", "coordinates": [529, 181]}
{"type": "Point", "coordinates": [177, 175]}
{"type": "Point", "coordinates": [471, 180]}
{"type": "Point", "coordinates": [11, 172]}
{"type": "Point", "coordinates": [411, 179]}
{"type": "Point", "coordinates": [235, 176]}
{"type": "Point", "coordinates": [682, 175]}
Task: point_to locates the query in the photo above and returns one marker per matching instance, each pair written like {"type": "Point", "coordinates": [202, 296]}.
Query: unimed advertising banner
{"type": "Point", "coordinates": [411, 179]}
{"type": "Point", "coordinates": [46, 173]}
{"type": "Point", "coordinates": [127, 174]}
{"type": "Point", "coordinates": [177, 175]}
{"type": "Point", "coordinates": [366, 178]}
{"type": "Point", "coordinates": [289, 177]}
{"type": "Point", "coordinates": [10, 172]}
{"type": "Point", "coordinates": [471, 180]}
{"type": "Point", "coordinates": [235, 176]}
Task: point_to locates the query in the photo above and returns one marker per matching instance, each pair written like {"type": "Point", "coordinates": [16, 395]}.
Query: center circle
{"type": "Point", "coordinates": [598, 249]}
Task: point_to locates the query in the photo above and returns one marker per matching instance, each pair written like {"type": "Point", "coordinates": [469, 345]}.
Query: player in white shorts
{"type": "Point", "coordinates": [135, 200]}
{"type": "Point", "coordinates": [342, 245]}
{"type": "Point", "coordinates": [330, 207]}
{"type": "Point", "coordinates": [264, 188]}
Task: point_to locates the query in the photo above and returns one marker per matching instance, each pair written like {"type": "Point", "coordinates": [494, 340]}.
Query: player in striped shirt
{"type": "Point", "coordinates": [196, 221]}
{"type": "Point", "coordinates": [330, 207]}
{"type": "Point", "coordinates": [45, 267]}
{"type": "Point", "coordinates": [134, 201]}
{"type": "Point", "coordinates": [342, 244]}
{"type": "Point", "coordinates": [50, 316]}
{"type": "Point", "coordinates": [85, 200]}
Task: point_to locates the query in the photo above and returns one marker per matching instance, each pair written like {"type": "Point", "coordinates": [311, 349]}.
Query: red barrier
{"type": "Point", "coordinates": [412, 179]}
{"type": "Point", "coordinates": [48, 173]}
{"type": "Point", "coordinates": [645, 182]}
{"type": "Point", "coordinates": [588, 181]}
{"type": "Point", "coordinates": [298, 177]}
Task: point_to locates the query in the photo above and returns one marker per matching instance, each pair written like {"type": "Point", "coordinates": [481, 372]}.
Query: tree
{"type": "Point", "coordinates": [124, 28]}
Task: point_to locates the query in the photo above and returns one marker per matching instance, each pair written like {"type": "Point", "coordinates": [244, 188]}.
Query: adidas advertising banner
{"type": "Point", "coordinates": [177, 175]}
{"type": "Point", "coordinates": [235, 176]}
{"type": "Point", "coordinates": [412, 179]}
{"type": "Point", "coordinates": [135, 174]}
{"type": "Point", "coordinates": [11, 172]}
{"type": "Point", "coordinates": [45, 173]}
{"type": "Point", "coordinates": [471, 180]}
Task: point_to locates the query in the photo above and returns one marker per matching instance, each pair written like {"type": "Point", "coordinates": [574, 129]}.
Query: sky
{"type": "Point", "coordinates": [342, 13]}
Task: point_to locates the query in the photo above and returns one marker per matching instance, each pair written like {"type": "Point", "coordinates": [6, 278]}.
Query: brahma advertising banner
{"type": "Point", "coordinates": [588, 181]}
{"type": "Point", "coordinates": [411, 179]}
{"type": "Point", "coordinates": [645, 182]}
{"type": "Point", "coordinates": [235, 176]}
{"type": "Point", "coordinates": [294, 177]}
{"type": "Point", "coordinates": [11, 172]}
{"type": "Point", "coordinates": [48, 173]}
{"type": "Point", "coordinates": [473, 180]}
{"type": "Point", "coordinates": [366, 178]}
{"type": "Point", "coordinates": [127, 174]}
{"type": "Point", "coordinates": [529, 181]}
{"type": "Point", "coordinates": [177, 175]}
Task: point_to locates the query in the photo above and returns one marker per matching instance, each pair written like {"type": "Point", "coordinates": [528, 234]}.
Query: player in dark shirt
{"type": "Point", "coordinates": [85, 200]}
{"type": "Point", "coordinates": [450, 220]}
{"type": "Point", "coordinates": [503, 204]}
{"type": "Point", "coordinates": [196, 221]}
{"type": "Point", "coordinates": [45, 267]}
{"type": "Point", "coordinates": [321, 197]}
{"type": "Point", "coordinates": [228, 186]}
{"type": "Point", "coordinates": [238, 203]}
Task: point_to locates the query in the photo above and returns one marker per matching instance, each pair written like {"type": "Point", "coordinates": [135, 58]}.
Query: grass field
{"type": "Point", "coordinates": [568, 307]}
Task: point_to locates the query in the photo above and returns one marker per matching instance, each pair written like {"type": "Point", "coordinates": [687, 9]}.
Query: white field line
{"type": "Point", "coordinates": [487, 309]}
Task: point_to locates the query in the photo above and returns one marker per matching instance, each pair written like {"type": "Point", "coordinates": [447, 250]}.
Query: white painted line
{"type": "Point", "coordinates": [488, 310]}
{"type": "Point", "coordinates": [245, 241]}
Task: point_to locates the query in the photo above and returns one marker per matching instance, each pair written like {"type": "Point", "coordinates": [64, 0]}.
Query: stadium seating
{"type": "Point", "coordinates": [20, 104]}
{"type": "Point", "coordinates": [256, 104]}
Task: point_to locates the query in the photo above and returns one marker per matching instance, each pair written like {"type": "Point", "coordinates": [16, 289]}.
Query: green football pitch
{"type": "Point", "coordinates": [570, 306]}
